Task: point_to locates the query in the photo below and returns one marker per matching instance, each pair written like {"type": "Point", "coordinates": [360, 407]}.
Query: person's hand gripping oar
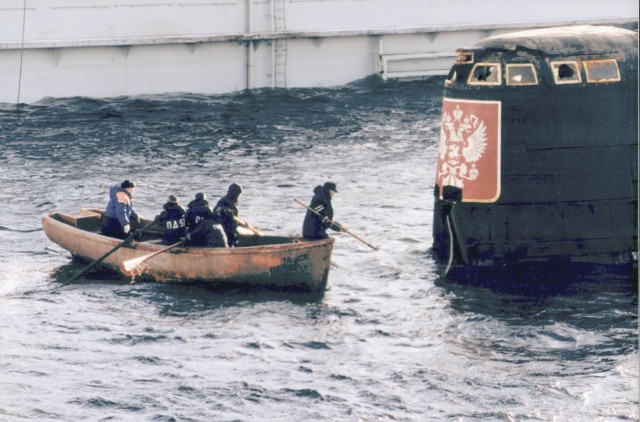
{"type": "Point", "coordinates": [341, 227]}
{"type": "Point", "coordinates": [248, 226]}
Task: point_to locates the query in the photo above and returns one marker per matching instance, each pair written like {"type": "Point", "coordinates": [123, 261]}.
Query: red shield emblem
{"type": "Point", "coordinates": [469, 150]}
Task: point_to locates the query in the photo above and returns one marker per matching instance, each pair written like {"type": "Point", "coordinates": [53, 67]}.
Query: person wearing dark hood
{"type": "Point", "coordinates": [226, 212]}
{"type": "Point", "coordinates": [197, 210]}
{"type": "Point", "coordinates": [315, 226]}
{"type": "Point", "coordinates": [172, 219]}
{"type": "Point", "coordinates": [208, 233]}
{"type": "Point", "coordinates": [117, 218]}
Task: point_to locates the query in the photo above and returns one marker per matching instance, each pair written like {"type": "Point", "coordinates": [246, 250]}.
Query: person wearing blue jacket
{"type": "Point", "coordinates": [117, 218]}
{"type": "Point", "coordinates": [172, 220]}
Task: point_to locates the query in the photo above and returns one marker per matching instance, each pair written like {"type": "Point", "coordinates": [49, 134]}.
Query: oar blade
{"type": "Point", "coordinates": [130, 265]}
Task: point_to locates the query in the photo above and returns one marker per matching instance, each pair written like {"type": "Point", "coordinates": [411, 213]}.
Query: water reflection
{"type": "Point", "coordinates": [178, 298]}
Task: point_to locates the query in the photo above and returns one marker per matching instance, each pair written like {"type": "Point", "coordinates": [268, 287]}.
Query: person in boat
{"type": "Point", "coordinates": [315, 226]}
{"type": "Point", "coordinates": [117, 218]}
{"type": "Point", "coordinates": [226, 213]}
{"type": "Point", "coordinates": [197, 210]}
{"type": "Point", "coordinates": [208, 233]}
{"type": "Point", "coordinates": [172, 219]}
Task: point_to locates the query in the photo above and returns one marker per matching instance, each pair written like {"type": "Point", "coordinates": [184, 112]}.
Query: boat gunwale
{"type": "Point", "coordinates": [148, 247]}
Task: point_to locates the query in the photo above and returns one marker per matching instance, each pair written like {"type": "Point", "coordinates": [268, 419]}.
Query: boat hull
{"type": "Point", "coordinates": [297, 264]}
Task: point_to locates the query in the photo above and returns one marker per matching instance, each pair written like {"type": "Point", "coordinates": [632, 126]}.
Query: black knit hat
{"type": "Point", "coordinates": [200, 196]}
{"type": "Point", "coordinates": [330, 186]}
{"type": "Point", "coordinates": [128, 184]}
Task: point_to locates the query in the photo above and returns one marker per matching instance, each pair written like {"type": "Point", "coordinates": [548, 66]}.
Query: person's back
{"type": "Point", "coordinates": [172, 219]}
{"type": "Point", "coordinates": [208, 233]}
{"type": "Point", "coordinates": [197, 210]}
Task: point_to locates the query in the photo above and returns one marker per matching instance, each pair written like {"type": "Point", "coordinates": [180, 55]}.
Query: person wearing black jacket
{"type": "Point", "coordinates": [208, 233]}
{"type": "Point", "coordinates": [172, 219]}
{"type": "Point", "coordinates": [197, 210]}
{"type": "Point", "coordinates": [226, 212]}
{"type": "Point", "coordinates": [314, 226]}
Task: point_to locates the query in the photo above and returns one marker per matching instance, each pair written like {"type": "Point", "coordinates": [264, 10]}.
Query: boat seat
{"type": "Point", "coordinates": [89, 223]}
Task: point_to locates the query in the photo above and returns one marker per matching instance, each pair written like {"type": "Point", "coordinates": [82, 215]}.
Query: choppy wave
{"type": "Point", "coordinates": [388, 341]}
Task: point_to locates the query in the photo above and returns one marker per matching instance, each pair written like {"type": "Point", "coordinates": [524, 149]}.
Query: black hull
{"type": "Point", "coordinates": [566, 189]}
{"type": "Point", "coordinates": [503, 235]}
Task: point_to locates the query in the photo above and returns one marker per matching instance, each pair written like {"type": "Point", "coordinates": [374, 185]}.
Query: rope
{"type": "Point", "coordinates": [450, 232]}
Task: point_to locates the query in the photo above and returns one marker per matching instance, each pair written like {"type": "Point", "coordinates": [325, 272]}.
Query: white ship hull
{"type": "Point", "coordinates": [63, 48]}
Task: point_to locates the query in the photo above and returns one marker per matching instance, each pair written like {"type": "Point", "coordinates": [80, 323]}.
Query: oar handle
{"type": "Point", "coordinates": [133, 263]}
{"type": "Point", "coordinates": [247, 225]}
{"type": "Point", "coordinates": [151, 255]}
{"type": "Point", "coordinates": [343, 228]}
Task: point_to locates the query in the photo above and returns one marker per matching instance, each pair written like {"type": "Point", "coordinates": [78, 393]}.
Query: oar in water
{"type": "Point", "coordinates": [129, 265]}
{"type": "Point", "coordinates": [343, 228]}
{"type": "Point", "coordinates": [246, 225]}
{"type": "Point", "coordinates": [105, 256]}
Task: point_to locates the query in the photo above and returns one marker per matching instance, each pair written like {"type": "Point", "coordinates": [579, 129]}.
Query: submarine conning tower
{"type": "Point", "coordinates": [538, 151]}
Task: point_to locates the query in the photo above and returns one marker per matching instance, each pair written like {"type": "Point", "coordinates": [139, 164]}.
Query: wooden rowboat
{"type": "Point", "coordinates": [269, 261]}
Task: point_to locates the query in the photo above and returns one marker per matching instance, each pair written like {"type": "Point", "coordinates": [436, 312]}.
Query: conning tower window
{"type": "Point", "coordinates": [602, 71]}
{"type": "Point", "coordinates": [521, 74]}
{"type": "Point", "coordinates": [485, 74]}
{"type": "Point", "coordinates": [464, 57]}
{"type": "Point", "coordinates": [566, 72]}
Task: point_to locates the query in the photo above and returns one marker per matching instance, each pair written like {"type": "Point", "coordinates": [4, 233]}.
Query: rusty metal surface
{"type": "Point", "coordinates": [303, 264]}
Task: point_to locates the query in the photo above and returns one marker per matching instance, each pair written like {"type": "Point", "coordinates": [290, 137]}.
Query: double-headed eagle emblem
{"type": "Point", "coordinates": [463, 141]}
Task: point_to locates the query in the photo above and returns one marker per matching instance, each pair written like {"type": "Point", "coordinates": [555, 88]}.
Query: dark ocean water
{"type": "Point", "coordinates": [389, 342]}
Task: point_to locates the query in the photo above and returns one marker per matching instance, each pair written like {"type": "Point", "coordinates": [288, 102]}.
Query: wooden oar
{"type": "Point", "coordinates": [343, 228]}
{"type": "Point", "coordinates": [246, 225]}
{"type": "Point", "coordinates": [127, 240]}
{"type": "Point", "coordinates": [130, 264]}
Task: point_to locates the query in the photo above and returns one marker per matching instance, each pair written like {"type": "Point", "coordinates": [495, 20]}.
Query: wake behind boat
{"type": "Point", "coordinates": [269, 261]}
